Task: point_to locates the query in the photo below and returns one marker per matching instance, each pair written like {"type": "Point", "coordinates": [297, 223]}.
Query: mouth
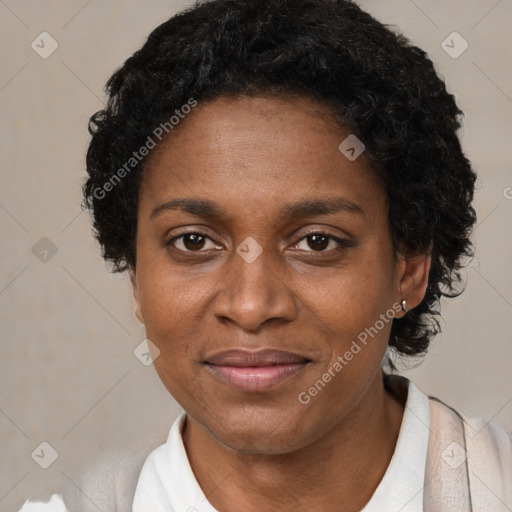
{"type": "Point", "coordinates": [254, 371]}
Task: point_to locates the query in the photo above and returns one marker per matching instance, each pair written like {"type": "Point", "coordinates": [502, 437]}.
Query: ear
{"type": "Point", "coordinates": [412, 279]}
{"type": "Point", "coordinates": [135, 289]}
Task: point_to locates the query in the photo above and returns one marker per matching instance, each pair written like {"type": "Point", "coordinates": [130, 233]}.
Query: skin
{"type": "Point", "coordinates": [259, 451]}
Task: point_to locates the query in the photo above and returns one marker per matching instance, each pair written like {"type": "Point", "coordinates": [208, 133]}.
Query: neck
{"type": "Point", "coordinates": [343, 468]}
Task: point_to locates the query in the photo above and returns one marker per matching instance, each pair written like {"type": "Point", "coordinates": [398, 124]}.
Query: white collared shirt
{"type": "Point", "coordinates": [167, 482]}
{"type": "Point", "coordinates": [401, 488]}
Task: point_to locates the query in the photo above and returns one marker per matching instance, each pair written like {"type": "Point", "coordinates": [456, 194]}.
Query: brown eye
{"type": "Point", "coordinates": [318, 242]}
{"type": "Point", "coordinates": [191, 242]}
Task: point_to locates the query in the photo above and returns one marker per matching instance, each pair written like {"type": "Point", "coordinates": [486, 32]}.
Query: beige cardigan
{"type": "Point", "coordinates": [454, 482]}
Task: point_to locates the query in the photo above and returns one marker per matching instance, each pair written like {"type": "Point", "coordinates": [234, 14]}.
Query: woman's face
{"type": "Point", "coordinates": [258, 178]}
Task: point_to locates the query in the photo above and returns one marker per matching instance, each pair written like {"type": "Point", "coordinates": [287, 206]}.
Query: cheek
{"type": "Point", "coordinates": [167, 298]}
{"type": "Point", "coordinates": [351, 298]}
{"type": "Point", "coordinates": [349, 315]}
{"type": "Point", "coordinates": [169, 309]}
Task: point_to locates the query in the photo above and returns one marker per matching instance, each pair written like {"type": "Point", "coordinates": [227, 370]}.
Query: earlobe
{"type": "Point", "coordinates": [135, 289]}
{"type": "Point", "coordinates": [413, 280]}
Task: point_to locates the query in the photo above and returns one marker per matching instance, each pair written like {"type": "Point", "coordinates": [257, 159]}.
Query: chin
{"type": "Point", "coordinates": [260, 431]}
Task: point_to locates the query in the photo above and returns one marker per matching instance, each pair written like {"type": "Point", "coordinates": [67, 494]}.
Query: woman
{"type": "Point", "coordinates": [283, 181]}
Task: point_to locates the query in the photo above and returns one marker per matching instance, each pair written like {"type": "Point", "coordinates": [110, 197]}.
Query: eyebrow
{"type": "Point", "coordinates": [310, 207]}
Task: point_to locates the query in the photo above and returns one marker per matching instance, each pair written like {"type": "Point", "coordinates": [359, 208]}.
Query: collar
{"type": "Point", "coordinates": [401, 488]}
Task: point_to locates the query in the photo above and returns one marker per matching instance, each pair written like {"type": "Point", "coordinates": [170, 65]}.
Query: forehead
{"type": "Point", "coordinates": [259, 153]}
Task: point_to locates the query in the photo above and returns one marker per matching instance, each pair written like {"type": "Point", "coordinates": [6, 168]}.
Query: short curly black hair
{"type": "Point", "coordinates": [376, 83]}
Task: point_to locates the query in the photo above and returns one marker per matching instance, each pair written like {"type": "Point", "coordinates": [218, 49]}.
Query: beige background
{"type": "Point", "coordinates": [68, 373]}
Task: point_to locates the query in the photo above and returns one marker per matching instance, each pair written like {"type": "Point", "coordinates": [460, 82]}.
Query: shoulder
{"type": "Point", "coordinates": [479, 432]}
{"type": "Point", "coordinates": [467, 450]}
{"type": "Point", "coordinates": [109, 482]}
{"type": "Point", "coordinates": [489, 447]}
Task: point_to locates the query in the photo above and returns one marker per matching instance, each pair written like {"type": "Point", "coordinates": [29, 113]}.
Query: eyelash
{"type": "Point", "coordinates": [343, 243]}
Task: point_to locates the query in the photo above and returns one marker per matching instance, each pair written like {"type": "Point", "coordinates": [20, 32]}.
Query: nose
{"type": "Point", "coordinates": [254, 293]}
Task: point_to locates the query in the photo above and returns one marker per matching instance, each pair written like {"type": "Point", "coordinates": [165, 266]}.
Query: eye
{"type": "Point", "coordinates": [319, 242]}
{"type": "Point", "coordinates": [191, 242]}
{"type": "Point", "coordinates": [195, 241]}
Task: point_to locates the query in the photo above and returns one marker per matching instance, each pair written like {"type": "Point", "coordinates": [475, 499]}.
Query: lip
{"type": "Point", "coordinates": [255, 370]}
